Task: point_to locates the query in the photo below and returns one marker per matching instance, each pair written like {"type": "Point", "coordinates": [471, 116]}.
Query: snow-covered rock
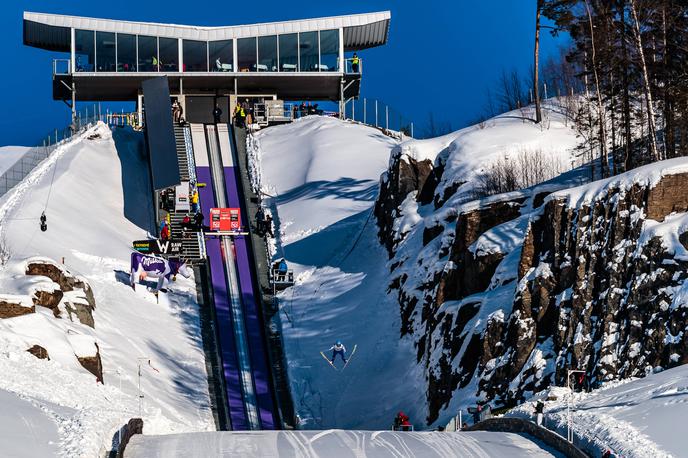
{"type": "Point", "coordinates": [502, 295]}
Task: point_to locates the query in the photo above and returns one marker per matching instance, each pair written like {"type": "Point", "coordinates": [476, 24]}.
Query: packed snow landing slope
{"type": "Point", "coordinates": [323, 175]}
{"type": "Point", "coordinates": [27, 431]}
{"type": "Point", "coordinates": [335, 444]}
{"type": "Point", "coordinates": [98, 205]}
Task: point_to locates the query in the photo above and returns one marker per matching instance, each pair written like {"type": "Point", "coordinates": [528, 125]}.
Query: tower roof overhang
{"type": "Point", "coordinates": [52, 31]}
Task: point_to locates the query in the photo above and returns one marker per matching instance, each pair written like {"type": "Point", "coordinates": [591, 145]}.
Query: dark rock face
{"type": "Point", "coordinates": [93, 364]}
{"type": "Point", "coordinates": [472, 273]}
{"type": "Point", "coordinates": [49, 299]}
{"type": "Point", "coordinates": [81, 309]}
{"type": "Point", "coordinates": [12, 309]}
{"type": "Point", "coordinates": [583, 288]}
{"type": "Point", "coordinates": [405, 175]}
{"type": "Point", "coordinates": [39, 352]}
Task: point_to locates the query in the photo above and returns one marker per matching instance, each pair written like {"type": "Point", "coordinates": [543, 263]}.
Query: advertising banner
{"type": "Point", "coordinates": [182, 201]}
{"type": "Point", "coordinates": [225, 219]}
{"type": "Point", "coordinates": [157, 246]}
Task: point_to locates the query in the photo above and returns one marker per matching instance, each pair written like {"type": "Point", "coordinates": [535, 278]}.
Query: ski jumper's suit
{"type": "Point", "coordinates": [338, 350]}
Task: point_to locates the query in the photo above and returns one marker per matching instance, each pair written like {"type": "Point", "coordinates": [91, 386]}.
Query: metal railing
{"type": "Point", "coordinates": [272, 111]}
{"type": "Point", "coordinates": [349, 66]}
{"type": "Point", "coordinates": [35, 155]}
{"type": "Point", "coordinates": [405, 428]}
{"type": "Point", "coordinates": [375, 113]}
{"type": "Point", "coordinates": [62, 67]}
{"type": "Point", "coordinates": [121, 119]}
{"type": "Point", "coordinates": [282, 278]}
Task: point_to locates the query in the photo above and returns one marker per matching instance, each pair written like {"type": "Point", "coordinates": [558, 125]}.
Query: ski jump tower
{"type": "Point", "coordinates": [301, 60]}
{"type": "Point", "coordinates": [203, 68]}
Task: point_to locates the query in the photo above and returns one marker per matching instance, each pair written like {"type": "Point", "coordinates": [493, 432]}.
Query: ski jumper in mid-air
{"type": "Point", "coordinates": [338, 349]}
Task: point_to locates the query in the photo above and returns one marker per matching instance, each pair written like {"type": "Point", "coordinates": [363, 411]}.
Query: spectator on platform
{"type": "Point", "coordinates": [217, 114]}
{"type": "Point", "coordinates": [260, 221]}
{"type": "Point", "coordinates": [248, 112]}
{"type": "Point", "coordinates": [281, 270]}
{"type": "Point", "coordinates": [198, 221]}
{"type": "Point", "coordinates": [186, 224]}
{"type": "Point", "coordinates": [268, 226]}
{"type": "Point", "coordinates": [180, 113]}
{"type": "Point", "coordinates": [175, 111]}
{"type": "Point", "coordinates": [194, 200]}
{"type": "Point", "coordinates": [239, 116]}
{"type": "Point", "coordinates": [355, 61]}
{"type": "Point", "coordinates": [401, 422]}
{"type": "Point", "coordinates": [165, 233]}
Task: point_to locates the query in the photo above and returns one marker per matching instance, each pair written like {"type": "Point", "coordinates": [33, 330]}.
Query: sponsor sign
{"type": "Point", "coordinates": [225, 219]}
{"type": "Point", "coordinates": [182, 202]}
{"type": "Point", "coordinates": [157, 246]}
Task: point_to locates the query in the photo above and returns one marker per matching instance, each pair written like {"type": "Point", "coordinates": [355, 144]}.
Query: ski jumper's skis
{"type": "Point", "coordinates": [328, 361]}
{"type": "Point", "coordinates": [350, 356]}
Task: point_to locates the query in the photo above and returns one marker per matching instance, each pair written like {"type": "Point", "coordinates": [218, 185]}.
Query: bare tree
{"type": "Point", "coordinates": [652, 129]}
{"type": "Point", "coordinates": [600, 107]}
{"type": "Point", "coordinates": [536, 58]}
{"type": "Point", "coordinates": [436, 128]}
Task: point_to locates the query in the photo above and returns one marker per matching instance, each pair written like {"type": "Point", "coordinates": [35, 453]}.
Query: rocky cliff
{"type": "Point", "coordinates": [502, 296]}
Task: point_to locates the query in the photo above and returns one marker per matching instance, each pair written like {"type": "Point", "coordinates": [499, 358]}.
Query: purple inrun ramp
{"type": "Point", "coordinates": [254, 326]}
{"type": "Point", "coordinates": [237, 413]}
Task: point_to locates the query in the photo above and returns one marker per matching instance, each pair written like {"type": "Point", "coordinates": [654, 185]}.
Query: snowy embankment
{"type": "Point", "coordinates": [467, 153]}
{"type": "Point", "coordinates": [636, 418]}
{"type": "Point", "coordinates": [336, 444]}
{"type": "Point", "coordinates": [95, 194]}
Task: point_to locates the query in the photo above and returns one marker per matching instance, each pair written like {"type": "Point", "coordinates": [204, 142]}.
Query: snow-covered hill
{"type": "Point", "coordinates": [9, 155]}
{"type": "Point", "coordinates": [633, 418]}
{"type": "Point", "coordinates": [97, 205]}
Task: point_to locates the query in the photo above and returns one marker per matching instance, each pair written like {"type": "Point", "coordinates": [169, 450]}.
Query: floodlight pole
{"type": "Point", "coordinates": [140, 394]}
{"type": "Point", "coordinates": [569, 417]}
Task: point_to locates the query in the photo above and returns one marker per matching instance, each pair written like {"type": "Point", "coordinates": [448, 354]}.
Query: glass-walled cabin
{"type": "Point", "coordinates": [315, 51]}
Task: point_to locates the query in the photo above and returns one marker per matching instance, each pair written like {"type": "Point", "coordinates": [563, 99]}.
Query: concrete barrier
{"type": "Point", "coordinates": [519, 425]}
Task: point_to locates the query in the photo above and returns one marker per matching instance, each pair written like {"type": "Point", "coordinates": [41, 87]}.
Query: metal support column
{"type": "Point", "coordinates": [342, 106]}
{"type": "Point", "coordinates": [365, 103]}
{"type": "Point", "coordinates": [74, 126]}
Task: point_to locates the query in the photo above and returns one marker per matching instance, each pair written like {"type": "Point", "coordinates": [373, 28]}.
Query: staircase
{"type": "Point", "coordinates": [192, 242]}
{"type": "Point", "coordinates": [182, 156]}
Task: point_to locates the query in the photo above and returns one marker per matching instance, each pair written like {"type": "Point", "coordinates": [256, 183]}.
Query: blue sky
{"type": "Point", "coordinates": [441, 55]}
